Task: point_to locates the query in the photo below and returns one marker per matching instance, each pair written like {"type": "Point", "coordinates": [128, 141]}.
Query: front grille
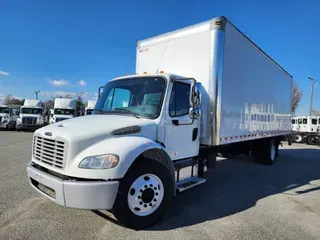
{"type": "Point", "coordinates": [29, 120]}
{"type": "Point", "coordinates": [60, 119]}
{"type": "Point", "coordinates": [49, 151]}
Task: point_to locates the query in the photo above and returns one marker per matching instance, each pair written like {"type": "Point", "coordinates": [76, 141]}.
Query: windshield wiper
{"type": "Point", "coordinates": [127, 110]}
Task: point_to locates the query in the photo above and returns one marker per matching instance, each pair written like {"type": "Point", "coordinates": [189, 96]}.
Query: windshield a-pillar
{"type": "Point", "coordinates": [140, 96]}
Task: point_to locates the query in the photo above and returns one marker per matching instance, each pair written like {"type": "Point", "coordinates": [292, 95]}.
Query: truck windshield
{"type": "Point", "coordinates": [141, 97]}
{"type": "Point", "coordinates": [61, 111]}
{"type": "Point", "coordinates": [4, 110]}
{"type": "Point", "coordinates": [31, 110]}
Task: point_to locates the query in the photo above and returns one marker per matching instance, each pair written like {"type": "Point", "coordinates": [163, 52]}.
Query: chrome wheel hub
{"type": "Point", "coordinates": [145, 194]}
{"type": "Point", "coordinates": [273, 152]}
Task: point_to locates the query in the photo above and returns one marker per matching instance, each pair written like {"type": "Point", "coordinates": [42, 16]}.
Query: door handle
{"type": "Point", "coordinates": [175, 122]}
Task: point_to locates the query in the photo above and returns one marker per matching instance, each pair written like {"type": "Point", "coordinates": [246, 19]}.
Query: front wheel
{"type": "Point", "coordinates": [144, 195]}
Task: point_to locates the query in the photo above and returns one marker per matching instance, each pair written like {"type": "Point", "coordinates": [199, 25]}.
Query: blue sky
{"type": "Point", "coordinates": [52, 45]}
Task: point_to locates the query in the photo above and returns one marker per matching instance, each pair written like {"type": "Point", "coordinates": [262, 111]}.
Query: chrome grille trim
{"type": "Point", "coordinates": [49, 151]}
{"type": "Point", "coordinates": [29, 120]}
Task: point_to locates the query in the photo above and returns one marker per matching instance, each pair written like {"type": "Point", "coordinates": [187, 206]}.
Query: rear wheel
{"type": "Point", "coordinates": [266, 151]}
{"type": "Point", "coordinates": [144, 194]}
{"type": "Point", "coordinates": [311, 140]}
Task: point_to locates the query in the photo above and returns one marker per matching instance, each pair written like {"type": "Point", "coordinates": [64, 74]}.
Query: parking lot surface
{"type": "Point", "coordinates": [241, 200]}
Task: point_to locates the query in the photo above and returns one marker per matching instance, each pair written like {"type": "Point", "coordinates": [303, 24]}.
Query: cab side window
{"type": "Point", "coordinates": [305, 121]}
{"type": "Point", "coordinates": [179, 100]}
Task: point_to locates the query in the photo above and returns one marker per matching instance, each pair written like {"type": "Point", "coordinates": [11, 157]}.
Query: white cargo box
{"type": "Point", "coordinates": [246, 94]}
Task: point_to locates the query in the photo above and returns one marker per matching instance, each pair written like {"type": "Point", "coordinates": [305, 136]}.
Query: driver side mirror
{"type": "Point", "coordinates": [196, 95]}
{"type": "Point", "coordinates": [195, 110]}
{"type": "Point", "coordinates": [100, 91]}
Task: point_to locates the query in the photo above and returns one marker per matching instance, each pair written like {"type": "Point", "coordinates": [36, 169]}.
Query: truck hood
{"type": "Point", "coordinates": [63, 116]}
{"type": "Point", "coordinates": [94, 128]}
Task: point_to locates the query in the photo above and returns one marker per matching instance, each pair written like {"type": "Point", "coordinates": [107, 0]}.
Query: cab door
{"type": "Point", "coordinates": [182, 128]}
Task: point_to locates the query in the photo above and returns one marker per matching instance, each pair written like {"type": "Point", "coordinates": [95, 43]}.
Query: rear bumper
{"type": "Point", "coordinates": [94, 195]}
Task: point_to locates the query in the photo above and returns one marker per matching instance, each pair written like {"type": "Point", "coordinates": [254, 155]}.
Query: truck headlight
{"type": "Point", "coordinates": [100, 162]}
{"type": "Point", "coordinates": [18, 120]}
{"type": "Point", "coordinates": [40, 121]}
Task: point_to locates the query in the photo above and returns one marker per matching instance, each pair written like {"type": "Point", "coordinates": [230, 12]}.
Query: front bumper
{"type": "Point", "coordinates": [29, 126]}
{"type": "Point", "coordinates": [93, 195]}
{"type": "Point", "coordinates": [3, 125]}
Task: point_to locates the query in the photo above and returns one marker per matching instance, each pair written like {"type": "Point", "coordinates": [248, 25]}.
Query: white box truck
{"type": "Point", "coordinates": [64, 108]}
{"type": "Point", "coordinates": [7, 117]}
{"type": "Point", "coordinates": [199, 91]}
{"type": "Point", "coordinates": [302, 126]}
{"type": "Point", "coordinates": [90, 107]}
{"type": "Point", "coordinates": [30, 116]}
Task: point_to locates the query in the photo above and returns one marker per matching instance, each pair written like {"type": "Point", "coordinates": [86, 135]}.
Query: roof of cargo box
{"type": "Point", "coordinates": [198, 28]}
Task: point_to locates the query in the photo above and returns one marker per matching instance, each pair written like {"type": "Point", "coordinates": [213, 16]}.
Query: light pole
{"type": "Point", "coordinates": [36, 92]}
{"type": "Point", "coordinates": [311, 94]}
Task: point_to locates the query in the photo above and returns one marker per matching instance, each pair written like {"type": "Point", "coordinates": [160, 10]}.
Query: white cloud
{"type": "Point", "coordinates": [82, 83]}
{"type": "Point", "coordinates": [61, 94]}
{"type": "Point", "coordinates": [2, 97]}
{"type": "Point", "coordinates": [95, 96]}
{"type": "Point", "coordinates": [59, 82]}
{"type": "Point", "coordinates": [2, 73]}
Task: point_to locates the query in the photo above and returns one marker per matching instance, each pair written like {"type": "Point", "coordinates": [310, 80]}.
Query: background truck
{"type": "Point", "coordinates": [303, 126]}
{"type": "Point", "coordinates": [30, 116]}
{"type": "Point", "coordinates": [199, 91]}
{"type": "Point", "coordinates": [90, 107]}
{"type": "Point", "coordinates": [7, 117]}
{"type": "Point", "coordinates": [64, 108]}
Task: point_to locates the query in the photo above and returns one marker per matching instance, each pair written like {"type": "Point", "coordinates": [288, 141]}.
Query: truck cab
{"type": "Point", "coordinates": [30, 116]}
{"type": "Point", "coordinates": [136, 118]}
{"type": "Point", "coordinates": [302, 125]}
{"type": "Point", "coordinates": [90, 107]}
{"type": "Point", "coordinates": [7, 117]}
{"type": "Point", "coordinates": [64, 109]}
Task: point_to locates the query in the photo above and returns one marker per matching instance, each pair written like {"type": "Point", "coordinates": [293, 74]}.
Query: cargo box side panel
{"type": "Point", "coordinates": [256, 93]}
{"type": "Point", "coordinates": [188, 56]}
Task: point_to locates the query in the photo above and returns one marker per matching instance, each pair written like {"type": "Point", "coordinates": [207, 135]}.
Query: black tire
{"type": "Point", "coordinates": [121, 209]}
{"type": "Point", "coordinates": [311, 140]}
{"type": "Point", "coordinates": [212, 161]}
{"type": "Point", "coordinates": [263, 151]}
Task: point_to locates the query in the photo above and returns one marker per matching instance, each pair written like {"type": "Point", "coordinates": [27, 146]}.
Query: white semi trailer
{"type": "Point", "coordinates": [30, 116]}
{"type": "Point", "coordinates": [64, 108]}
{"type": "Point", "coordinates": [7, 117]}
{"type": "Point", "coordinates": [200, 90]}
{"type": "Point", "coordinates": [90, 107]}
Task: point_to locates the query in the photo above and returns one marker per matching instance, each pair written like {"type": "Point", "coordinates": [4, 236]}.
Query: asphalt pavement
{"type": "Point", "coordinates": [241, 200]}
